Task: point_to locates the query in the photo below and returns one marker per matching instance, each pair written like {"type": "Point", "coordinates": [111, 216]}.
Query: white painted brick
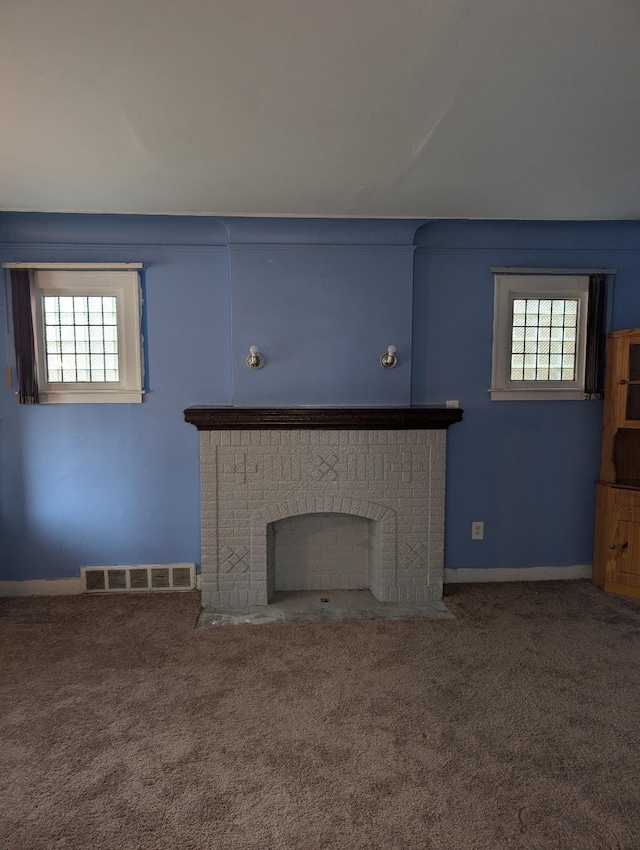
{"type": "Point", "coordinates": [250, 479]}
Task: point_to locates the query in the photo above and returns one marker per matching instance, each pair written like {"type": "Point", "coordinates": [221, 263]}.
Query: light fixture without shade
{"type": "Point", "coordinates": [389, 360]}
{"type": "Point", "coordinates": [255, 360]}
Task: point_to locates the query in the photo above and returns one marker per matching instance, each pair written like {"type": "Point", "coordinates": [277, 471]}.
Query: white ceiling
{"type": "Point", "coordinates": [416, 108]}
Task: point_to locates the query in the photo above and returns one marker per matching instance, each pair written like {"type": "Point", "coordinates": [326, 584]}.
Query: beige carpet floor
{"type": "Point", "coordinates": [514, 726]}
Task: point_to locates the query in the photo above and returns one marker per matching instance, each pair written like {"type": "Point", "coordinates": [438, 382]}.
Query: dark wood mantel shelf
{"type": "Point", "coordinates": [212, 418]}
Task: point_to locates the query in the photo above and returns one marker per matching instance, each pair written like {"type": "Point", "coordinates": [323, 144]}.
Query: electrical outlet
{"type": "Point", "coordinates": [477, 531]}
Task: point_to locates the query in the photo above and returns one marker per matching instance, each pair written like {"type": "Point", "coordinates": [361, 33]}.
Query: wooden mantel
{"type": "Point", "coordinates": [213, 418]}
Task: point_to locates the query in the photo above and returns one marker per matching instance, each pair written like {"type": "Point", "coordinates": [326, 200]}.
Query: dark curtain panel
{"type": "Point", "coordinates": [22, 307]}
{"type": "Point", "coordinates": [596, 337]}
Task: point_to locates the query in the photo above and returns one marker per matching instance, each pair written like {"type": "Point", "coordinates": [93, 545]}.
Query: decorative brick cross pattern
{"type": "Point", "coordinates": [412, 553]}
{"type": "Point", "coordinates": [234, 560]}
{"type": "Point", "coordinates": [325, 467]}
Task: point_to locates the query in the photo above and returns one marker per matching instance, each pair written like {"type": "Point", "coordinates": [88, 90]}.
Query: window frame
{"type": "Point", "coordinates": [122, 283]}
{"type": "Point", "coordinates": [511, 287]}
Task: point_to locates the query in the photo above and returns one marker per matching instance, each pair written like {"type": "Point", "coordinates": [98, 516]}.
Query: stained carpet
{"type": "Point", "coordinates": [514, 726]}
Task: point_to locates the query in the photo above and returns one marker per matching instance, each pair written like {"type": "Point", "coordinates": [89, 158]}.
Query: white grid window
{"type": "Point", "coordinates": [544, 339]}
{"type": "Point", "coordinates": [539, 337]}
{"type": "Point", "coordinates": [88, 340]}
{"type": "Point", "coordinates": [81, 338]}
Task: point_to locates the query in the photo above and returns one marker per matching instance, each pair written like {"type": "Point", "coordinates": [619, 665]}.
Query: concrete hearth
{"type": "Point", "coordinates": [324, 607]}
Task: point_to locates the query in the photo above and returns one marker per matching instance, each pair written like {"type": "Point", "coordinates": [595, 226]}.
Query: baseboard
{"type": "Point", "coordinates": [73, 586]}
{"type": "Point", "coordinates": [464, 575]}
{"type": "Point", "coordinates": [52, 587]}
{"type": "Point", "coordinates": [42, 587]}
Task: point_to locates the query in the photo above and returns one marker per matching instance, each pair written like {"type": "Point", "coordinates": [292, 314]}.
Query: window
{"type": "Point", "coordinates": [80, 338]}
{"type": "Point", "coordinates": [540, 337]}
{"type": "Point", "coordinates": [87, 335]}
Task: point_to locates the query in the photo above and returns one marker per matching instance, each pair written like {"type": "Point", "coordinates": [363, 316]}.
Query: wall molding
{"type": "Point", "coordinates": [320, 246]}
{"type": "Point", "coordinates": [111, 247]}
{"type": "Point", "coordinates": [502, 249]}
{"type": "Point", "coordinates": [474, 575]}
{"type": "Point", "coordinates": [138, 247]}
{"type": "Point", "coordinates": [52, 587]}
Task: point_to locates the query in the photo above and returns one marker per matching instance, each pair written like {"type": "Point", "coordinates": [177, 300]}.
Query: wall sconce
{"type": "Point", "coordinates": [389, 360]}
{"type": "Point", "coordinates": [255, 360]}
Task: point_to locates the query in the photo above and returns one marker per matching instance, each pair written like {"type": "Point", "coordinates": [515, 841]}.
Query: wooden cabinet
{"type": "Point", "coordinates": [616, 563]}
{"type": "Point", "coordinates": [616, 559]}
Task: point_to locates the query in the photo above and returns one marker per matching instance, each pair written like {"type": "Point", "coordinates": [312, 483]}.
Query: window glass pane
{"type": "Point", "coordinates": [550, 332]}
{"type": "Point", "coordinates": [96, 334]}
{"type": "Point", "coordinates": [633, 401]}
{"type": "Point", "coordinates": [53, 315]}
{"type": "Point", "coordinates": [66, 304]}
{"type": "Point", "coordinates": [634, 362]}
{"type": "Point", "coordinates": [76, 331]}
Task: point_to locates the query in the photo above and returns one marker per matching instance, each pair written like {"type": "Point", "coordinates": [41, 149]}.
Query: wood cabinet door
{"type": "Point", "coordinates": [623, 567]}
{"type": "Point", "coordinates": [622, 399]}
{"type": "Point", "coordinates": [627, 402]}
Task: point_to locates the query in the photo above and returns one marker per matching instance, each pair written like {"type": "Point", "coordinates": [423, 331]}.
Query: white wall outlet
{"type": "Point", "coordinates": [477, 531]}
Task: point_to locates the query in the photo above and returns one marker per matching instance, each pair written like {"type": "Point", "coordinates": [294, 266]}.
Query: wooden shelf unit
{"type": "Point", "coordinates": [616, 557]}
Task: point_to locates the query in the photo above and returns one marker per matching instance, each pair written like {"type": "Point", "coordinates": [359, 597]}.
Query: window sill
{"type": "Point", "coordinates": [543, 394]}
{"type": "Point", "coordinates": [84, 397]}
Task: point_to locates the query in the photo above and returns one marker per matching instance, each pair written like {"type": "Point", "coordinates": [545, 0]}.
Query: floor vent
{"type": "Point", "coordinates": [147, 577]}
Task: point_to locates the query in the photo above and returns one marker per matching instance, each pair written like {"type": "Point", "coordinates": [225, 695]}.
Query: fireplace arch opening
{"type": "Point", "coordinates": [379, 528]}
{"type": "Point", "coordinates": [321, 551]}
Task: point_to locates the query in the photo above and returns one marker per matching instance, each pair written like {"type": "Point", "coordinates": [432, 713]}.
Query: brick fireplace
{"type": "Point", "coordinates": [385, 466]}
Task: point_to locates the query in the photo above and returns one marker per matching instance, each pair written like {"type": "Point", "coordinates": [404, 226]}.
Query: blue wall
{"type": "Point", "coordinates": [322, 301]}
{"type": "Point", "coordinates": [101, 484]}
{"type": "Point", "coordinates": [108, 484]}
{"type": "Point", "coordinates": [527, 469]}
